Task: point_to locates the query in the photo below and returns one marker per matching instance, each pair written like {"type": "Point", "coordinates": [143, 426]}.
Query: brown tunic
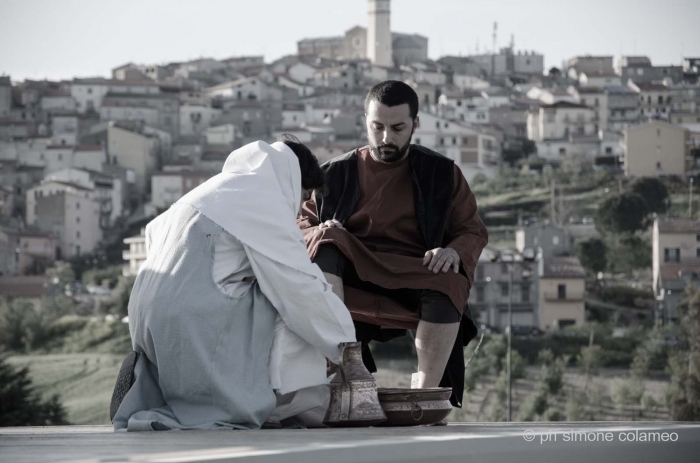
{"type": "Point", "coordinates": [382, 240]}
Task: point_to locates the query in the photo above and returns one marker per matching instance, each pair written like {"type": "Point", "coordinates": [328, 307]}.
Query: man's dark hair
{"type": "Point", "coordinates": [311, 173]}
{"type": "Point", "coordinates": [393, 93]}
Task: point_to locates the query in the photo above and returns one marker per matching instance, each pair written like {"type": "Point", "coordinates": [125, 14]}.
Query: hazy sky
{"type": "Point", "coordinates": [66, 38]}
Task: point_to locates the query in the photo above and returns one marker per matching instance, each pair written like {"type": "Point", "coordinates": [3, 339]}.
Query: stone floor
{"type": "Point", "coordinates": [488, 442]}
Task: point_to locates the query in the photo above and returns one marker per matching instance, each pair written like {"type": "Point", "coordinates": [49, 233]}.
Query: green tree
{"type": "Point", "coordinates": [654, 193]}
{"type": "Point", "coordinates": [593, 254]}
{"type": "Point", "coordinates": [622, 213]}
{"type": "Point", "coordinates": [20, 405]}
{"type": "Point", "coordinates": [590, 361]}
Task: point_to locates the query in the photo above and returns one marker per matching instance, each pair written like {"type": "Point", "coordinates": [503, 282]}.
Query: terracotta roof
{"type": "Point", "coordinates": [679, 226]}
{"type": "Point", "coordinates": [563, 267]}
{"type": "Point", "coordinates": [88, 148]}
{"type": "Point", "coordinates": [25, 286]}
{"type": "Point", "coordinates": [674, 271]}
{"type": "Point", "coordinates": [650, 87]}
{"type": "Point", "coordinates": [564, 104]}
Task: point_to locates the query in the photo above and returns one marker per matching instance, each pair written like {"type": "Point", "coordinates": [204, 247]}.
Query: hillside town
{"type": "Point", "coordinates": [86, 163]}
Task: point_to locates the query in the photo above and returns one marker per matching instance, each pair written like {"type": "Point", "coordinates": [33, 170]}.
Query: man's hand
{"type": "Point", "coordinates": [330, 224]}
{"type": "Point", "coordinates": [442, 259]}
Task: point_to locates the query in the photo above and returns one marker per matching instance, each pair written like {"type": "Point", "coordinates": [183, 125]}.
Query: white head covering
{"type": "Point", "coordinates": [256, 199]}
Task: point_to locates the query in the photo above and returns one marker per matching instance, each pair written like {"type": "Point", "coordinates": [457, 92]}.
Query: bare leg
{"type": "Point", "coordinates": [434, 343]}
{"type": "Point", "coordinates": [337, 284]}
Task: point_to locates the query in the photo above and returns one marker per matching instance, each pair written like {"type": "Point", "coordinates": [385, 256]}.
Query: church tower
{"type": "Point", "coordinates": [379, 32]}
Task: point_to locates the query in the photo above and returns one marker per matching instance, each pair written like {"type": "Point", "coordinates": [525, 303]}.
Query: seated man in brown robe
{"type": "Point", "coordinates": [398, 236]}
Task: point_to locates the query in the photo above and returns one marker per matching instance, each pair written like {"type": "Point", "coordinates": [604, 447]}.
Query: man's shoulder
{"type": "Point", "coordinates": [342, 159]}
{"type": "Point", "coordinates": [422, 151]}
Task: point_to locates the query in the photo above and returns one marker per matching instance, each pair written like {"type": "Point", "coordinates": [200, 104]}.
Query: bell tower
{"type": "Point", "coordinates": [379, 32]}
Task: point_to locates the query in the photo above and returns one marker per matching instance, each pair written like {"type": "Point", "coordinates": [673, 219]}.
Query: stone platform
{"type": "Point", "coordinates": [458, 442]}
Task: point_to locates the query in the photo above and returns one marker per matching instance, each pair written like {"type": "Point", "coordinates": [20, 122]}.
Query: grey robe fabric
{"type": "Point", "coordinates": [206, 353]}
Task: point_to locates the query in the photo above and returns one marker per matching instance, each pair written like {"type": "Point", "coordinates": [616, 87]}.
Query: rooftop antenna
{"type": "Point", "coordinates": [493, 52]}
{"type": "Point", "coordinates": [512, 42]}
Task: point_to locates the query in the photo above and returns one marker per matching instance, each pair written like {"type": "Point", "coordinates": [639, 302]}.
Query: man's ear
{"type": "Point", "coordinates": [416, 122]}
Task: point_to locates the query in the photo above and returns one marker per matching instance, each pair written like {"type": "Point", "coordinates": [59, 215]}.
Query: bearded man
{"type": "Point", "coordinates": [398, 236]}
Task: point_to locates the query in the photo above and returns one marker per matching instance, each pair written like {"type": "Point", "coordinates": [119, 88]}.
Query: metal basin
{"type": "Point", "coordinates": [415, 407]}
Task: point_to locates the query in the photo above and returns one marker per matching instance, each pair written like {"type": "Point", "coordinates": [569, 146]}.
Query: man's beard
{"type": "Point", "coordinates": [395, 153]}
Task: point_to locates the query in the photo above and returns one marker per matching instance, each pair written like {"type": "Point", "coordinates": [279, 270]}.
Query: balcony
{"type": "Point", "coordinates": [553, 297]}
{"type": "Point", "coordinates": [130, 255]}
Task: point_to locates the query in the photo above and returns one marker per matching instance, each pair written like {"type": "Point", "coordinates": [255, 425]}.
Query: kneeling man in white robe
{"type": "Point", "coordinates": [231, 321]}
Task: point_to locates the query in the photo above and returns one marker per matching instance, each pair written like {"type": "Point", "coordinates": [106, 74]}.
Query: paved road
{"type": "Point", "coordinates": [468, 442]}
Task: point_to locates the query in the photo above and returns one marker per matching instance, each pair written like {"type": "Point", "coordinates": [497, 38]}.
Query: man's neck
{"type": "Point", "coordinates": [405, 155]}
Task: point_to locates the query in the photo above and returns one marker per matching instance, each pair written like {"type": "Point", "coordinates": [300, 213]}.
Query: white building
{"type": "Point", "coordinates": [168, 187]}
{"type": "Point", "coordinates": [107, 189]}
{"type": "Point", "coordinates": [136, 255]}
{"type": "Point", "coordinates": [57, 157]}
{"type": "Point", "coordinates": [467, 106]}
{"type": "Point", "coordinates": [88, 93]}
{"type": "Point", "coordinates": [133, 149]}
{"type": "Point", "coordinates": [249, 88]}
{"type": "Point", "coordinates": [473, 150]}
{"type": "Point", "coordinates": [675, 262]}
{"type": "Point", "coordinates": [220, 135]}
{"type": "Point", "coordinates": [72, 215]}
{"type": "Point", "coordinates": [195, 118]}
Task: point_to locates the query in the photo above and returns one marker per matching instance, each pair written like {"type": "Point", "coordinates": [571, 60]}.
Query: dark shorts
{"type": "Point", "coordinates": [432, 306]}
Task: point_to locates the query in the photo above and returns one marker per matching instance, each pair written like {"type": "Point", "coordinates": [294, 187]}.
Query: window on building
{"type": "Point", "coordinates": [60, 156]}
{"type": "Point", "coordinates": [77, 234]}
{"type": "Point", "coordinates": [697, 237]}
{"type": "Point", "coordinates": [77, 220]}
{"type": "Point", "coordinates": [525, 293]}
{"type": "Point", "coordinates": [89, 90]}
{"type": "Point", "coordinates": [504, 268]}
{"type": "Point", "coordinates": [561, 291]}
{"type": "Point", "coordinates": [479, 294]}
{"type": "Point", "coordinates": [459, 102]}
{"type": "Point", "coordinates": [454, 140]}
{"type": "Point", "coordinates": [447, 125]}
{"type": "Point", "coordinates": [437, 124]}
{"type": "Point", "coordinates": [658, 165]}
{"type": "Point", "coordinates": [77, 250]}
{"type": "Point", "coordinates": [504, 289]}
{"type": "Point", "coordinates": [697, 252]}
{"type": "Point", "coordinates": [442, 142]}
{"type": "Point", "coordinates": [660, 100]}
{"type": "Point", "coordinates": [608, 150]}
{"type": "Point", "coordinates": [658, 133]}
{"type": "Point", "coordinates": [562, 151]}
{"type": "Point", "coordinates": [479, 272]}
{"type": "Point", "coordinates": [672, 254]}
{"type": "Point", "coordinates": [77, 204]}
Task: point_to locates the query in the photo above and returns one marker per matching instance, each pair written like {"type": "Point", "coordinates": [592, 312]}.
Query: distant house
{"type": "Point", "coordinates": [675, 262]}
{"type": "Point", "coordinates": [135, 256]}
{"type": "Point", "coordinates": [73, 217]}
{"type": "Point", "coordinates": [30, 288]}
{"type": "Point", "coordinates": [474, 150]}
{"type": "Point", "coordinates": [561, 293]}
{"type": "Point", "coordinates": [7, 202]}
{"type": "Point", "coordinates": [656, 149]}
{"type": "Point", "coordinates": [490, 293]}
{"type": "Point", "coordinates": [554, 241]}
